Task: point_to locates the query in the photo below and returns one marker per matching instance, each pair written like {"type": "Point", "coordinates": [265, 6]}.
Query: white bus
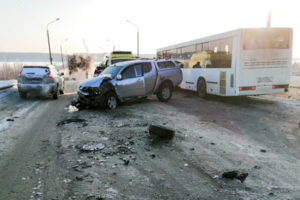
{"type": "Point", "coordinates": [248, 61]}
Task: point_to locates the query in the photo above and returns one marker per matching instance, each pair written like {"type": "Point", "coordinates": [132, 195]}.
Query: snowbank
{"type": "Point", "coordinates": [7, 84]}
{"type": "Point", "coordinates": [295, 81]}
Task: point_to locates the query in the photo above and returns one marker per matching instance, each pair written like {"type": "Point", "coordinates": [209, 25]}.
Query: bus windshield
{"type": "Point", "coordinates": [266, 39]}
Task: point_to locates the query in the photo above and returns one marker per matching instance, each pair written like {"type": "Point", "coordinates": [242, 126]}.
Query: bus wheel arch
{"type": "Point", "coordinates": [201, 87]}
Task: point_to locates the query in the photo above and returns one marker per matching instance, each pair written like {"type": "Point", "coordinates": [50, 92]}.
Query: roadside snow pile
{"type": "Point", "coordinates": [7, 84]}
{"type": "Point", "coordinates": [295, 81]}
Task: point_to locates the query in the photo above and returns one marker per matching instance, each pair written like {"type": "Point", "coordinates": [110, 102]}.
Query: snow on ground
{"type": "Point", "coordinates": [295, 81]}
{"type": "Point", "coordinates": [7, 84]}
{"type": "Point", "coordinates": [22, 109]}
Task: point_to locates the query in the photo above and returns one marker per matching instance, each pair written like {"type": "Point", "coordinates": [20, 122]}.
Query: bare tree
{"type": "Point", "coordinates": [8, 72]}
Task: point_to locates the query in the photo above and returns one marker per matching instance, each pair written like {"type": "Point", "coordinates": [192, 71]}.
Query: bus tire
{"type": "Point", "coordinates": [201, 88]}
{"type": "Point", "coordinates": [165, 92]}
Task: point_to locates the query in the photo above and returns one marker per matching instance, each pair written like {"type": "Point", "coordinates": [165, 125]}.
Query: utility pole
{"type": "Point", "coordinates": [61, 53]}
{"type": "Point", "coordinates": [112, 44]}
{"type": "Point", "coordinates": [137, 37]}
{"type": "Point", "coordinates": [269, 19]}
{"type": "Point", "coordinates": [48, 37]}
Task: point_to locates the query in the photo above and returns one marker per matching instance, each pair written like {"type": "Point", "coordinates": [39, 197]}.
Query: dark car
{"type": "Point", "coordinates": [99, 69]}
{"type": "Point", "coordinates": [41, 80]}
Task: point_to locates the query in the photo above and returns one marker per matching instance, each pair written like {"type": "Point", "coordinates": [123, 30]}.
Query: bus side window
{"type": "Point", "coordinates": [208, 64]}
{"type": "Point", "coordinates": [197, 65]}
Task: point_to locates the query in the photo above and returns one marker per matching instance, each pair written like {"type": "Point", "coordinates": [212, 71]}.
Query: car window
{"type": "Point", "coordinates": [138, 70]}
{"type": "Point", "coordinates": [166, 64]}
{"type": "Point", "coordinates": [146, 67]}
{"type": "Point", "coordinates": [129, 72]}
{"type": "Point", "coordinates": [35, 70]}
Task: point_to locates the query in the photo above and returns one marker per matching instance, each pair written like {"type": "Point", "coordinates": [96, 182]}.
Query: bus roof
{"type": "Point", "coordinates": [212, 37]}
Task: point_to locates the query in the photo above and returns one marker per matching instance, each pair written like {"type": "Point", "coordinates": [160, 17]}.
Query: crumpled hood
{"type": "Point", "coordinates": [94, 82]}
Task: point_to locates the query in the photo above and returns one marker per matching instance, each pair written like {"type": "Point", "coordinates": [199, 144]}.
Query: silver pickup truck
{"type": "Point", "coordinates": [130, 80]}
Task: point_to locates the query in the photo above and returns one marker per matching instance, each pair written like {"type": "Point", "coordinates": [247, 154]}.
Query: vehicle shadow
{"type": "Point", "coordinates": [237, 100]}
{"type": "Point", "coordinates": [37, 97]}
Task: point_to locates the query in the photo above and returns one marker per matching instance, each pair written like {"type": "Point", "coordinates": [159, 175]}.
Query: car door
{"type": "Point", "coordinates": [149, 72]}
{"type": "Point", "coordinates": [57, 77]}
{"type": "Point", "coordinates": [132, 83]}
{"type": "Point", "coordinates": [54, 74]}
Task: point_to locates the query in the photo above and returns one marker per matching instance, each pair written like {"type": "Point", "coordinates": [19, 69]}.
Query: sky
{"type": "Point", "coordinates": [161, 22]}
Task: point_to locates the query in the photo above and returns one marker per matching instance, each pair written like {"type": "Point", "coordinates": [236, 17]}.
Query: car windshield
{"type": "Point", "coordinates": [112, 71]}
{"type": "Point", "coordinates": [35, 70]}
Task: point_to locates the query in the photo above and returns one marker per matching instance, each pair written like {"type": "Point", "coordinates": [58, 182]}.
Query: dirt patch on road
{"type": "Point", "coordinates": [133, 165]}
{"type": "Point", "coordinates": [293, 94]}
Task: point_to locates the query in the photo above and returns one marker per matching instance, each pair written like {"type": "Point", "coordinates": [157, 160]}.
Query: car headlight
{"type": "Point", "coordinates": [85, 89]}
{"type": "Point", "coordinates": [90, 90]}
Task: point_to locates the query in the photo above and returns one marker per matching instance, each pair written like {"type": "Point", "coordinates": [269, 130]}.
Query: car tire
{"type": "Point", "coordinates": [62, 89]}
{"type": "Point", "coordinates": [165, 92]}
{"type": "Point", "coordinates": [23, 95]}
{"type": "Point", "coordinates": [56, 93]}
{"type": "Point", "coordinates": [201, 88]}
{"type": "Point", "coordinates": [110, 101]}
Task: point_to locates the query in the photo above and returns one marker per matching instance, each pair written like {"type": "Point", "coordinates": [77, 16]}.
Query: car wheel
{"type": "Point", "coordinates": [201, 88]}
{"type": "Point", "coordinates": [23, 95]}
{"type": "Point", "coordinates": [56, 93]}
{"type": "Point", "coordinates": [165, 92]}
{"type": "Point", "coordinates": [61, 91]}
{"type": "Point", "coordinates": [111, 101]}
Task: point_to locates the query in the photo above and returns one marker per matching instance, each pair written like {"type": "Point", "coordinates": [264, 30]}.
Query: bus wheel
{"type": "Point", "coordinates": [201, 88]}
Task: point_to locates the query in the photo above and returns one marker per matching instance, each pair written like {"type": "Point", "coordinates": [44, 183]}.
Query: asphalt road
{"type": "Point", "coordinates": [40, 160]}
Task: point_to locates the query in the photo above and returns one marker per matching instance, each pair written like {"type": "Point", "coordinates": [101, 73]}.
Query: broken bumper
{"type": "Point", "coordinates": [88, 99]}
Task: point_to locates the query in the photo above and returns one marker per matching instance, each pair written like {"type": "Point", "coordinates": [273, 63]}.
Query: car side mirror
{"type": "Point", "coordinates": [119, 77]}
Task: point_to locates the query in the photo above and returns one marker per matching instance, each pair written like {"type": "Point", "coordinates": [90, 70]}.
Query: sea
{"type": "Point", "coordinates": [11, 57]}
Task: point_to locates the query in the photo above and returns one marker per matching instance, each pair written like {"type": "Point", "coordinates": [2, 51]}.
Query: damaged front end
{"type": "Point", "coordinates": [92, 91]}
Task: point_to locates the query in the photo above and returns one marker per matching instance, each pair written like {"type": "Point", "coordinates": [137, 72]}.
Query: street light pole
{"type": "Point", "coordinates": [137, 37]}
{"type": "Point", "coordinates": [50, 56]}
{"type": "Point", "coordinates": [269, 19]}
{"type": "Point", "coordinates": [102, 49]}
{"type": "Point", "coordinates": [61, 52]}
{"type": "Point", "coordinates": [112, 44]}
